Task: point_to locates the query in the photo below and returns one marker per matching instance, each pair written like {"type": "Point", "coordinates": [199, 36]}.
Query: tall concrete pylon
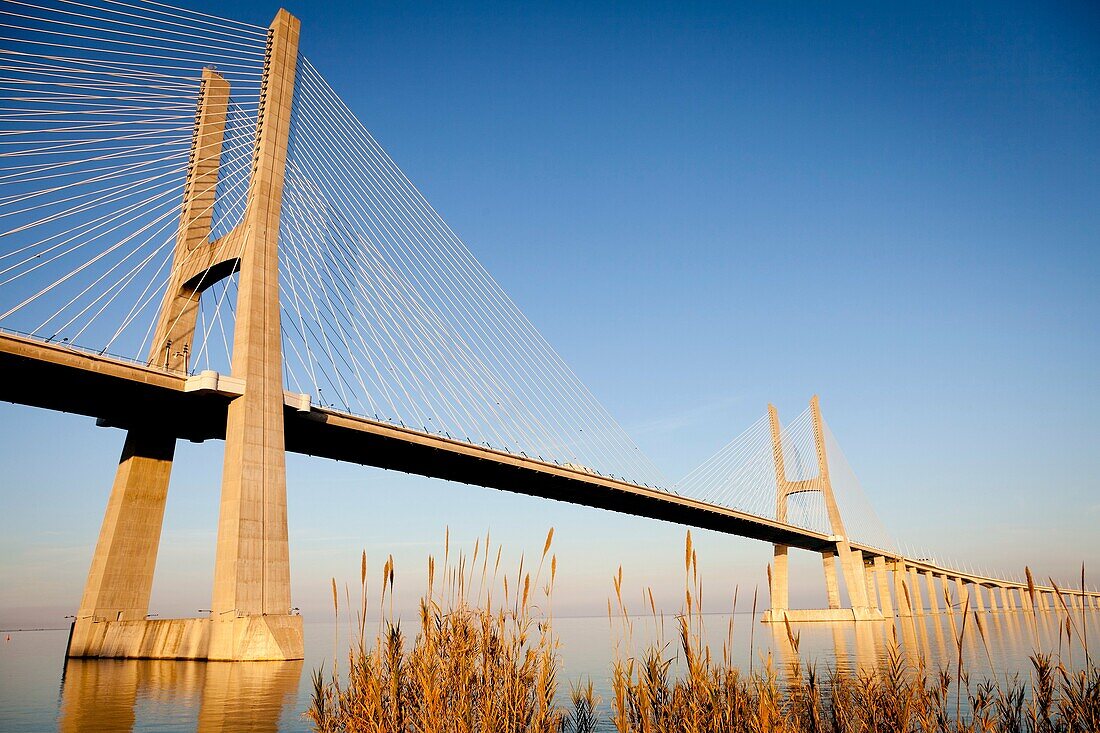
{"type": "Point", "coordinates": [851, 560]}
{"type": "Point", "coordinates": [251, 616]}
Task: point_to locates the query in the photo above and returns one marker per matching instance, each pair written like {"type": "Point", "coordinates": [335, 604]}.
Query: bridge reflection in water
{"type": "Point", "coordinates": [930, 640]}
{"type": "Point", "coordinates": [133, 695]}
{"type": "Point", "coordinates": [102, 694]}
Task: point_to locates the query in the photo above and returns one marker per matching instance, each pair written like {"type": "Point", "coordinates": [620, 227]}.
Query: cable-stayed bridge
{"type": "Point", "coordinates": [199, 240]}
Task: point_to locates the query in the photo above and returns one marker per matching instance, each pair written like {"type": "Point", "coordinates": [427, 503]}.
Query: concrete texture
{"type": "Point", "coordinates": [252, 618]}
{"type": "Point", "coordinates": [883, 581]}
{"type": "Point", "coordinates": [933, 599]}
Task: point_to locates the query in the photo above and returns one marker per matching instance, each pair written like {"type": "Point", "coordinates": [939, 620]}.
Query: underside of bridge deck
{"type": "Point", "coordinates": [124, 395]}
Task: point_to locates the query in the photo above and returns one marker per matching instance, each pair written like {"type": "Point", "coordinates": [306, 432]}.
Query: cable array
{"type": "Point", "coordinates": [97, 115]}
{"type": "Point", "coordinates": [385, 311]}
{"type": "Point", "coordinates": [387, 314]}
{"type": "Point", "coordinates": [742, 476]}
{"type": "Point", "coordinates": [860, 519]}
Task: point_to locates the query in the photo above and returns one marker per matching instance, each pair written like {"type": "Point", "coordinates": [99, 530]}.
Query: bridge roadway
{"type": "Point", "coordinates": [127, 394]}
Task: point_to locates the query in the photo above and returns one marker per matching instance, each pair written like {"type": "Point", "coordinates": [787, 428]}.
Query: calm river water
{"type": "Point", "coordinates": [40, 692]}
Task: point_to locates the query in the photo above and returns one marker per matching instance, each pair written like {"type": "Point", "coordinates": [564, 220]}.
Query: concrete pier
{"type": "Point", "coordinates": [886, 605]}
{"type": "Point", "coordinates": [976, 602]}
{"type": "Point", "coordinates": [948, 596]}
{"type": "Point", "coordinates": [964, 594]}
{"type": "Point", "coordinates": [915, 592]}
{"type": "Point", "coordinates": [851, 560]}
{"type": "Point", "coordinates": [901, 591]}
{"type": "Point", "coordinates": [933, 601]}
{"type": "Point", "coordinates": [252, 618]}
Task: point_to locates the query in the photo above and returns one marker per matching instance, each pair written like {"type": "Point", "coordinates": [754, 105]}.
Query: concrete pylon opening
{"type": "Point", "coordinates": [251, 616]}
{"type": "Point", "coordinates": [852, 562]}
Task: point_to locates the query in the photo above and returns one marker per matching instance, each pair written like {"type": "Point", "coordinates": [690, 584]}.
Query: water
{"type": "Point", "coordinates": [40, 692]}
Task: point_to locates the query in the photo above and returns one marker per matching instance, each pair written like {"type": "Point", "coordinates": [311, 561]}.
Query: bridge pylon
{"type": "Point", "coordinates": [251, 617]}
{"type": "Point", "coordinates": [861, 605]}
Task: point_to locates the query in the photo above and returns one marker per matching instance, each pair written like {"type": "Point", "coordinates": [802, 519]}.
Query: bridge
{"type": "Point", "coordinates": [200, 241]}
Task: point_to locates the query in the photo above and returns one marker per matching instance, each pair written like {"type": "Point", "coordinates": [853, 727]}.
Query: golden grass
{"type": "Point", "coordinates": [487, 660]}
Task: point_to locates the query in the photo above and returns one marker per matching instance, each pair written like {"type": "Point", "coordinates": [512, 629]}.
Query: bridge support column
{"type": "Point", "coordinates": [832, 587]}
{"type": "Point", "coordinates": [948, 596]}
{"type": "Point", "coordinates": [251, 603]}
{"type": "Point", "coordinates": [976, 601]}
{"type": "Point", "coordinates": [779, 586]}
{"type": "Point", "coordinates": [855, 580]}
{"type": "Point", "coordinates": [933, 602]}
{"type": "Point", "coordinates": [964, 594]}
{"type": "Point", "coordinates": [251, 618]}
{"type": "Point", "coordinates": [872, 593]}
{"type": "Point", "coordinates": [121, 576]}
{"type": "Point", "coordinates": [901, 591]}
{"type": "Point", "coordinates": [883, 586]}
{"type": "Point", "coordinates": [914, 590]}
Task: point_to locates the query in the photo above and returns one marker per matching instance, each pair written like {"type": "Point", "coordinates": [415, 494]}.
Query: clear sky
{"type": "Point", "coordinates": [704, 208]}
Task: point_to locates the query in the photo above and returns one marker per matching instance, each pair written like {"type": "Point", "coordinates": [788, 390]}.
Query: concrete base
{"type": "Point", "coordinates": [802, 615]}
{"type": "Point", "coordinates": [248, 638]}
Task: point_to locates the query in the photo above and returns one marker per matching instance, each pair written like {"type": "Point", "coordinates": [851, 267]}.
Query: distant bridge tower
{"type": "Point", "coordinates": [251, 616]}
{"type": "Point", "coordinates": [851, 561]}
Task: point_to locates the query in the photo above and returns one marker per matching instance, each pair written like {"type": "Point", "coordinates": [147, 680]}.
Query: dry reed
{"type": "Point", "coordinates": [488, 661]}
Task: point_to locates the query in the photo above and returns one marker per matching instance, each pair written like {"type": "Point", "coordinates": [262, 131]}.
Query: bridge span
{"type": "Point", "coordinates": [123, 394]}
{"type": "Point", "coordinates": [213, 209]}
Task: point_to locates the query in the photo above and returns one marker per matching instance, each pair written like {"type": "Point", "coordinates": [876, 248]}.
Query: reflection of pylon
{"type": "Point", "coordinates": [251, 616]}
{"type": "Point", "coordinates": [851, 561]}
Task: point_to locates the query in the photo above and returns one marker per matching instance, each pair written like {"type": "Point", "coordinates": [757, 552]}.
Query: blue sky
{"type": "Point", "coordinates": [704, 208]}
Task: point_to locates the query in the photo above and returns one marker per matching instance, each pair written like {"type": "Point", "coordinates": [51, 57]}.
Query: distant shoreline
{"type": "Point", "coordinates": [9, 631]}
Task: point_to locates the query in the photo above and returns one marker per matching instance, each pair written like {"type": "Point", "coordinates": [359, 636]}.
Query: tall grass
{"type": "Point", "coordinates": [487, 660]}
{"type": "Point", "coordinates": [481, 660]}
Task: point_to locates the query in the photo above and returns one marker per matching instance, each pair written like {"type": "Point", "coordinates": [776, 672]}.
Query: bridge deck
{"type": "Point", "coordinates": [121, 393]}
